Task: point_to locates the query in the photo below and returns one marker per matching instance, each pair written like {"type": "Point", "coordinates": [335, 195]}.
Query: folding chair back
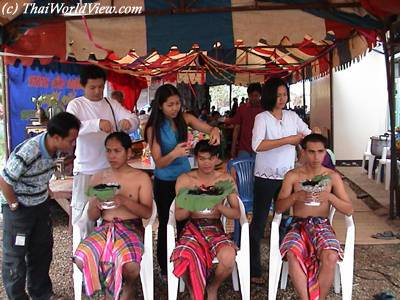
{"type": "Point", "coordinates": [244, 169]}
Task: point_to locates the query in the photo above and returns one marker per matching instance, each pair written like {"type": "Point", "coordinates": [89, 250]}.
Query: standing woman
{"type": "Point", "coordinates": [166, 133]}
{"type": "Point", "coordinates": [276, 133]}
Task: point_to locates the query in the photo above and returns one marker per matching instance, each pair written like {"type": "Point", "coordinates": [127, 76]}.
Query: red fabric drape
{"type": "Point", "coordinates": [129, 85]}
{"type": "Point", "coordinates": [382, 8]}
{"type": "Point", "coordinates": [45, 39]}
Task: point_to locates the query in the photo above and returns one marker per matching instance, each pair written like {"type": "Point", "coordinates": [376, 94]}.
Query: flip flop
{"type": "Point", "coordinates": [384, 296]}
{"type": "Point", "coordinates": [386, 235]}
{"type": "Point", "coordinates": [257, 281]}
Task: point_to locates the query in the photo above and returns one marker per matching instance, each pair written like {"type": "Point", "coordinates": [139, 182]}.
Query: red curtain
{"type": "Point", "coordinates": [382, 8]}
{"type": "Point", "coordinates": [130, 86]}
{"type": "Point", "coordinates": [45, 39]}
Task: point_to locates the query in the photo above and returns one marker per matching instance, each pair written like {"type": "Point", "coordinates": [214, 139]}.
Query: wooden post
{"type": "Point", "coordinates": [330, 137]}
{"type": "Point", "coordinates": [230, 97]}
{"type": "Point", "coordinates": [389, 59]}
{"type": "Point", "coordinates": [6, 108]}
{"type": "Point", "coordinates": [304, 94]}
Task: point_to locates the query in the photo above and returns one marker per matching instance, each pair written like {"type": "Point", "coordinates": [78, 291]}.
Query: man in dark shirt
{"type": "Point", "coordinates": [244, 121]}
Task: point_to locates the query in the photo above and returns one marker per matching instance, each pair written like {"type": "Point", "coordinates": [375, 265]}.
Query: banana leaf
{"type": "Point", "coordinates": [103, 192]}
{"type": "Point", "coordinates": [198, 199]}
{"type": "Point", "coordinates": [319, 180]}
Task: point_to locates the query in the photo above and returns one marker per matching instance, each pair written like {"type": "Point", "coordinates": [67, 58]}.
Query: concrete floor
{"type": "Point", "coordinates": [375, 190]}
{"type": "Point", "coordinates": [367, 221]}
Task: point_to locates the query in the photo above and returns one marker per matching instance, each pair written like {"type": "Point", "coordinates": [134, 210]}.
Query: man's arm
{"type": "Point", "coordinates": [8, 191]}
{"type": "Point", "coordinates": [235, 137]}
{"type": "Point", "coordinates": [123, 115]}
{"type": "Point", "coordinates": [339, 198]}
{"type": "Point", "coordinates": [233, 210]}
{"type": "Point", "coordinates": [286, 197]}
{"type": "Point", "coordinates": [94, 210]}
{"type": "Point", "coordinates": [88, 126]}
{"type": "Point", "coordinates": [181, 213]}
{"type": "Point", "coordinates": [15, 167]}
{"type": "Point", "coordinates": [236, 121]}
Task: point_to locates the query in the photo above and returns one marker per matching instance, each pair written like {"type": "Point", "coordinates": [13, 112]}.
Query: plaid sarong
{"type": "Point", "coordinates": [306, 239]}
{"type": "Point", "coordinates": [105, 251]}
{"type": "Point", "coordinates": [198, 245]}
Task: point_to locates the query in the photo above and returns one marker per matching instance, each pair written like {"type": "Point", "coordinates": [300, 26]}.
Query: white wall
{"type": "Point", "coordinates": [320, 110]}
{"type": "Point", "coordinates": [360, 105]}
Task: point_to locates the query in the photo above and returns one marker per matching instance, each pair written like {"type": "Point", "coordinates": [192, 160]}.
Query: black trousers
{"type": "Point", "coordinates": [27, 252]}
{"type": "Point", "coordinates": [164, 195]}
{"type": "Point", "coordinates": [264, 191]}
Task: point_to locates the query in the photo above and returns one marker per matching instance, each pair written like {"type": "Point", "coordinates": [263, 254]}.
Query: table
{"type": "Point", "coordinates": [32, 130]}
{"type": "Point", "coordinates": [62, 193]}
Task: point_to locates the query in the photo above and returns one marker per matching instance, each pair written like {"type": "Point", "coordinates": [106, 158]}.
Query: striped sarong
{"type": "Point", "coordinates": [105, 251]}
{"type": "Point", "coordinates": [198, 245]}
{"type": "Point", "coordinates": [306, 239]}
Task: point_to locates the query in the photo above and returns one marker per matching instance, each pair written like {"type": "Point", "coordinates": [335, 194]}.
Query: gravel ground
{"type": "Point", "coordinates": [377, 269]}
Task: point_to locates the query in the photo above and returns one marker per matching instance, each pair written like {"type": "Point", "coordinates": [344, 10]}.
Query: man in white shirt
{"type": "Point", "coordinates": [99, 116]}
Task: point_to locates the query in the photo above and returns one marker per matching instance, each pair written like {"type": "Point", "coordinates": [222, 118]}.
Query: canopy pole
{"type": "Point", "coordinates": [389, 59]}
{"type": "Point", "coordinates": [230, 97]}
{"type": "Point", "coordinates": [148, 95]}
{"type": "Point", "coordinates": [304, 94]}
{"type": "Point", "coordinates": [330, 134]}
{"type": "Point", "coordinates": [6, 109]}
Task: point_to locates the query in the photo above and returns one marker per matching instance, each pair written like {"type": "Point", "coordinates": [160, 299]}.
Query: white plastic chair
{"type": "Point", "coordinates": [371, 158]}
{"type": "Point", "coordinates": [344, 268]}
{"type": "Point", "coordinates": [388, 172]}
{"type": "Point", "coordinates": [382, 162]}
{"type": "Point", "coordinates": [242, 266]}
{"type": "Point", "coordinates": [146, 265]}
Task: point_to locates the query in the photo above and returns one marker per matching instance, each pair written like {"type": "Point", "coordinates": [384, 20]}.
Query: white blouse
{"type": "Point", "coordinates": [275, 163]}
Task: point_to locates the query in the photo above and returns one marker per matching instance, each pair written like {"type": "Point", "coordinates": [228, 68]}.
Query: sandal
{"type": "Point", "coordinates": [258, 280]}
{"type": "Point", "coordinates": [386, 235]}
{"type": "Point", "coordinates": [384, 296]}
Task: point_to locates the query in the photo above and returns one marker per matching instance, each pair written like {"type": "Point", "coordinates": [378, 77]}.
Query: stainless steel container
{"type": "Point", "coordinates": [378, 142]}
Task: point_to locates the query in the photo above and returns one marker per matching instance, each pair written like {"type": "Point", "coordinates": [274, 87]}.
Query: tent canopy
{"type": "Point", "coordinates": [270, 37]}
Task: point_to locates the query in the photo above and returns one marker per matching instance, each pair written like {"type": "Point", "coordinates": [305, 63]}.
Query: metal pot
{"type": "Point", "coordinates": [378, 142]}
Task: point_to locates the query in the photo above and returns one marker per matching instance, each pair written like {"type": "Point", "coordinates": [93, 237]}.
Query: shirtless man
{"type": "Point", "coordinates": [203, 236]}
{"type": "Point", "coordinates": [312, 278]}
{"type": "Point", "coordinates": [119, 239]}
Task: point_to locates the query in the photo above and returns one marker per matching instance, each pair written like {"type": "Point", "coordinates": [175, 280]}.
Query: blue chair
{"type": "Point", "coordinates": [244, 168]}
{"type": "Point", "coordinates": [135, 135]}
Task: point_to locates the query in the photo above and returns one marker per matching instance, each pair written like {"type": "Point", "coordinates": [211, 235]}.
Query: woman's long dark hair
{"type": "Point", "coordinates": [157, 116]}
{"type": "Point", "coordinates": [270, 93]}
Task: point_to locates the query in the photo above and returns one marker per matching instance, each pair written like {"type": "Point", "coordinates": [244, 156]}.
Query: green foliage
{"type": "Point", "coordinates": [27, 114]}
{"type": "Point", "coordinates": [220, 95]}
{"type": "Point", "coordinates": [193, 201]}
{"type": "Point", "coordinates": [53, 100]}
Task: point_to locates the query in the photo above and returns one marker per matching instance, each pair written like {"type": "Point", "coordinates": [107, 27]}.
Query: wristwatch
{"type": "Point", "coordinates": [13, 206]}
